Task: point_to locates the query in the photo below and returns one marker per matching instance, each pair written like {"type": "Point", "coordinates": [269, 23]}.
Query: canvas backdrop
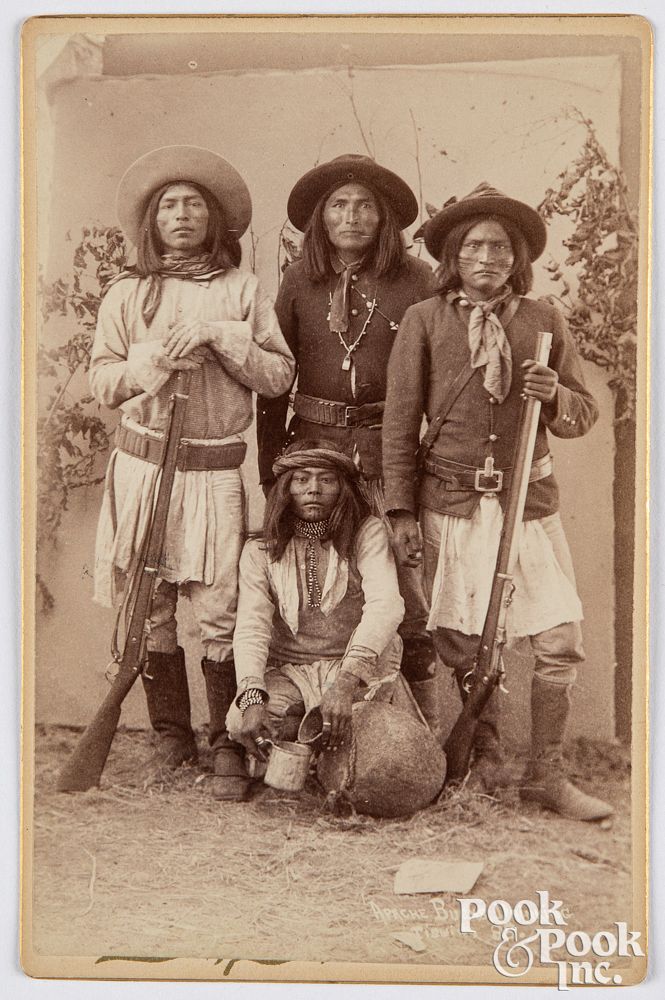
{"type": "Point", "coordinates": [443, 129]}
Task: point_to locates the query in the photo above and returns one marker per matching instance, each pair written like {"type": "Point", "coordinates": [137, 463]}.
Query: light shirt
{"type": "Point", "coordinates": [364, 614]}
{"type": "Point", "coordinates": [249, 349]}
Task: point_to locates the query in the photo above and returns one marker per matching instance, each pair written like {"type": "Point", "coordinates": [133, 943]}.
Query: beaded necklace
{"type": "Point", "coordinates": [350, 348]}
{"type": "Point", "coordinates": [312, 531]}
{"type": "Point", "coordinates": [373, 306]}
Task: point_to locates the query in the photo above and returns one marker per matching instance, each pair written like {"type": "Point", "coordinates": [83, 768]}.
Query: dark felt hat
{"type": "Point", "coordinates": [179, 164]}
{"type": "Point", "coordinates": [351, 168]}
{"type": "Point", "coordinates": [485, 200]}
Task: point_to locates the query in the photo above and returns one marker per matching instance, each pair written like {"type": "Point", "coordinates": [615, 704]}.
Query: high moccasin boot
{"type": "Point", "coordinates": [167, 694]}
{"type": "Point", "coordinates": [545, 780]}
{"type": "Point", "coordinates": [231, 782]}
{"type": "Point", "coordinates": [488, 767]}
{"type": "Point", "coordinates": [419, 670]}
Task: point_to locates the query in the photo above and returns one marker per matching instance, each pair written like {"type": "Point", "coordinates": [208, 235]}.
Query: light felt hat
{"type": "Point", "coordinates": [182, 164]}
{"type": "Point", "coordinates": [485, 200]}
{"type": "Point", "coordinates": [351, 168]}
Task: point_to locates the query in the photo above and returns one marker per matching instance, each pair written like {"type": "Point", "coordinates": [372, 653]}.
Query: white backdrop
{"type": "Point", "coordinates": [442, 128]}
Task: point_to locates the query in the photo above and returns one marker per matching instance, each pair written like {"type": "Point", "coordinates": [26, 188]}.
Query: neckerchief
{"type": "Point", "coordinates": [312, 530]}
{"type": "Point", "coordinates": [487, 338]}
{"type": "Point", "coordinates": [338, 316]}
{"type": "Point", "coordinates": [193, 268]}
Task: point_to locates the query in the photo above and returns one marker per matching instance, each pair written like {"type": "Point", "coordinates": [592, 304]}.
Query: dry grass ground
{"type": "Point", "coordinates": [167, 871]}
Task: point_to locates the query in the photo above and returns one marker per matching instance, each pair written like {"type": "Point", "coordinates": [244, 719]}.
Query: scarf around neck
{"type": "Point", "coordinates": [339, 304]}
{"type": "Point", "coordinates": [197, 267]}
{"type": "Point", "coordinates": [488, 342]}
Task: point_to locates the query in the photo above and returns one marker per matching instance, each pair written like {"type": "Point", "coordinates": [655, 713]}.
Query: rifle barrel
{"type": "Point", "coordinates": [84, 768]}
{"type": "Point", "coordinates": [488, 666]}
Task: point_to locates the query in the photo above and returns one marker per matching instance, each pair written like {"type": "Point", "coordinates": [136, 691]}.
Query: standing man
{"type": "Point", "coordinates": [465, 360]}
{"type": "Point", "coordinates": [184, 305]}
{"type": "Point", "coordinates": [339, 308]}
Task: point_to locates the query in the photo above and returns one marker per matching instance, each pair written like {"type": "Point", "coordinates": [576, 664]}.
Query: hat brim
{"type": "Point", "coordinates": [526, 218]}
{"type": "Point", "coordinates": [182, 164]}
{"type": "Point", "coordinates": [313, 185]}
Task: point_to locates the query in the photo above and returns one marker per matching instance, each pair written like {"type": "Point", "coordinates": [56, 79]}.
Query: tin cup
{"type": "Point", "coordinates": [311, 729]}
{"type": "Point", "coordinates": [288, 764]}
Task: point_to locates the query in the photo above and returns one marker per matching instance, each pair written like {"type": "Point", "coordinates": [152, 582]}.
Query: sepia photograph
{"type": "Point", "coordinates": [335, 427]}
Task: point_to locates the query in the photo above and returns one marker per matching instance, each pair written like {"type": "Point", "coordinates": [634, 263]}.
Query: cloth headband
{"type": "Point", "coordinates": [318, 458]}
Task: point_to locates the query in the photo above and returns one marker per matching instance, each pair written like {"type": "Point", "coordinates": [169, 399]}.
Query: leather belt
{"type": "Point", "coordinates": [327, 411]}
{"type": "Point", "coordinates": [463, 478]}
{"type": "Point", "coordinates": [191, 457]}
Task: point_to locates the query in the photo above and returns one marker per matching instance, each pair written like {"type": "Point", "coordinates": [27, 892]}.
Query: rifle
{"type": "Point", "coordinates": [488, 670]}
{"type": "Point", "coordinates": [84, 767]}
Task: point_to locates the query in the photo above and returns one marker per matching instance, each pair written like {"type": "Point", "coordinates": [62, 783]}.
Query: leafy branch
{"type": "Point", "coordinates": [603, 251]}
{"type": "Point", "coordinates": [70, 433]}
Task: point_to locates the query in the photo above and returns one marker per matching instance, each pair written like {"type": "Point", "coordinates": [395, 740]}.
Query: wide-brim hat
{"type": "Point", "coordinates": [351, 168]}
{"type": "Point", "coordinates": [485, 200]}
{"type": "Point", "coordinates": [182, 164]}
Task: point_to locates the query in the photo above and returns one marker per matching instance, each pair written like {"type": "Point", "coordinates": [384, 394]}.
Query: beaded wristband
{"type": "Point", "coordinates": [252, 696]}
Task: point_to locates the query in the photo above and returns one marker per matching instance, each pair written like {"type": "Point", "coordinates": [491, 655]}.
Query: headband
{"type": "Point", "coordinates": [319, 458]}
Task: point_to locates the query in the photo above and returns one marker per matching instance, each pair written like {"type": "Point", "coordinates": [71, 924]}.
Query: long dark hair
{"type": "Point", "coordinates": [388, 250]}
{"type": "Point", "coordinates": [223, 247]}
{"type": "Point", "coordinates": [347, 516]}
{"type": "Point", "coordinates": [447, 274]}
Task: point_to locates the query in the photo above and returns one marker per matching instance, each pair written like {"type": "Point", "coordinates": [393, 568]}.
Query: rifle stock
{"type": "Point", "coordinates": [84, 768]}
{"type": "Point", "coordinates": [488, 667]}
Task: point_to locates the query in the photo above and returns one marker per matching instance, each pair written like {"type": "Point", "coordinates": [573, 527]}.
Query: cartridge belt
{"type": "Point", "coordinates": [334, 414]}
{"type": "Point", "coordinates": [464, 478]}
{"type": "Point", "coordinates": [191, 457]}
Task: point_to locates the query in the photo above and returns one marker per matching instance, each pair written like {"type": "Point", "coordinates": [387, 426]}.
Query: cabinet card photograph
{"type": "Point", "coordinates": [335, 512]}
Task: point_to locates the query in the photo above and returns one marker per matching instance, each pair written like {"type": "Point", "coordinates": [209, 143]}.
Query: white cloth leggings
{"type": "Point", "coordinates": [214, 605]}
{"type": "Point", "coordinates": [557, 650]}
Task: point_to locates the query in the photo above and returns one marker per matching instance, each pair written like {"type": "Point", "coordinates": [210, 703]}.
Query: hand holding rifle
{"type": "Point", "coordinates": [539, 386]}
{"type": "Point", "coordinates": [84, 768]}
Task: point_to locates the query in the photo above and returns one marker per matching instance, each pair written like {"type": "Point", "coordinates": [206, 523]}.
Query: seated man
{"type": "Point", "coordinates": [318, 605]}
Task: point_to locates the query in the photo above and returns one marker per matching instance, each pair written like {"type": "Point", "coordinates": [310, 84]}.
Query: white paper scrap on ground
{"type": "Point", "coordinates": [429, 875]}
{"type": "Point", "coordinates": [411, 939]}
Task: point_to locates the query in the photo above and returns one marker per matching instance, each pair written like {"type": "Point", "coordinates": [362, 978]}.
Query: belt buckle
{"type": "Point", "coordinates": [347, 420]}
{"type": "Point", "coordinates": [488, 475]}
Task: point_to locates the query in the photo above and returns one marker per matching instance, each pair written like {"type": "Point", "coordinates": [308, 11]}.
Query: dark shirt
{"type": "Point", "coordinates": [302, 308]}
{"type": "Point", "coordinates": [430, 350]}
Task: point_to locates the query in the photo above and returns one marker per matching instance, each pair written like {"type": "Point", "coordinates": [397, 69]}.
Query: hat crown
{"type": "Point", "coordinates": [353, 158]}
{"type": "Point", "coordinates": [483, 190]}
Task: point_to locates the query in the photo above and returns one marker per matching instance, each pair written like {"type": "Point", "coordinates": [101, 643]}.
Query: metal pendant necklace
{"type": "Point", "coordinates": [349, 349]}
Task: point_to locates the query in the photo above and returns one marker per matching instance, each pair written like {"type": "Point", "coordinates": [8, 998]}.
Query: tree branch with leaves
{"type": "Point", "coordinates": [70, 433]}
{"type": "Point", "coordinates": [603, 253]}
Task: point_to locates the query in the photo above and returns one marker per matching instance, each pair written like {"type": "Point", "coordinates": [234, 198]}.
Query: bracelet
{"type": "Point", "coordinates": [252, 696]}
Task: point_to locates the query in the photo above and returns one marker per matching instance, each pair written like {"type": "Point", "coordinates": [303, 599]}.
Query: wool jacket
{"type": "Point", "coordinates": [302, 308]}
{"type": "Point", "coordinates": [430, 350]}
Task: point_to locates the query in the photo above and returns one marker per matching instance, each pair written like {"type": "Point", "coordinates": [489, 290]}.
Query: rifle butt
{"type": "Point", "coordinates": [459, 745]}
{"type": "Point", "coordinates": [84, 768]}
